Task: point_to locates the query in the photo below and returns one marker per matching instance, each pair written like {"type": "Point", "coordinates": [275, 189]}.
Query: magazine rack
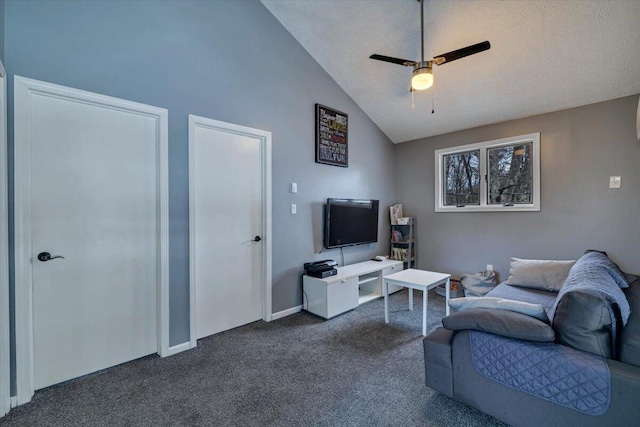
{"type": "Point", "coordinates": [403, 243]}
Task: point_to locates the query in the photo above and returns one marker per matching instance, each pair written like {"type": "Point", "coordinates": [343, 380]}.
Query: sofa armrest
{"type": "Point", "coordinates": [438, 367]}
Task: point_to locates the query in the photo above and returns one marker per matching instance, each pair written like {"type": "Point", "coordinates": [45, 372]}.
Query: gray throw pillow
{"type": "Point", "coordinates": [467, 303]}
{"type": "Point", "coordinates": [630, 340]}
{"type": "Point", "coordinates": [583, 321]}
{"type": "Point", "coordinates": [500, 322]}
{"type": "Point", "coordinates": [548, 275]}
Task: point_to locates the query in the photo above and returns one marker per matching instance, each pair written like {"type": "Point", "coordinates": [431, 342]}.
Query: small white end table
{"type": "Point", "coordinates": [420, 280]}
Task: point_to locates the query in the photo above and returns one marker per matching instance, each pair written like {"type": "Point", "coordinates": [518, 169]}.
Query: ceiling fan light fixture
{"type": "Point", "coordinates": [422, 76]}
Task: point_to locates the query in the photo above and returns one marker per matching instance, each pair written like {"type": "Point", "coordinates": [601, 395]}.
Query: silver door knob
{"type": "Point", "coordinates": [46, 256]}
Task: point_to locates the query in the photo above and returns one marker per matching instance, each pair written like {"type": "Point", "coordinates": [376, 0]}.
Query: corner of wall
{"type": "Point", "coordinates": [2, 30]}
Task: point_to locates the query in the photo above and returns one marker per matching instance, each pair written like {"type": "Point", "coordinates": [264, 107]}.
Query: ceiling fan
{"type": "Point", "coordinates": [422, 70]}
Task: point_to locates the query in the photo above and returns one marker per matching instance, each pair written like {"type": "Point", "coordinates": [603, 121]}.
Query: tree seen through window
{"type": "Point", "coordinates": [462, 178]}
{"type": "Point", "coordinates": [510, 180]}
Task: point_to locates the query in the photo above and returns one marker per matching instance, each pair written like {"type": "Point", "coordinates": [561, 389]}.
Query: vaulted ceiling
{"type": "Point", "coordinates": [545, 56]}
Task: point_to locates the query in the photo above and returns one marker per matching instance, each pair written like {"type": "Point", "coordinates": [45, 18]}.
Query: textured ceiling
{"type": "Point", "coordinates": [545, 56]}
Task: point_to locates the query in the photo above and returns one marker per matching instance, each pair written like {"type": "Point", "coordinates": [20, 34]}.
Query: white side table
{"type": "Point", "coordinates": [416, 279]}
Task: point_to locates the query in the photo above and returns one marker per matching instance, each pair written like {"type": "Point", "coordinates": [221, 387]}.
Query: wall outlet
{"type": "Point", "coordinates": [615, 181]}
{"type": "Point", "coordinates": [294, 187]}
{"type": "Point", "coordinates": [294, 209]}
{"type": "Point", "coordinates": [489, 267]}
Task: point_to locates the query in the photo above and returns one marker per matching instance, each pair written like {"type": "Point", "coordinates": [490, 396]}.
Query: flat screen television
{"type": "Point", "coordinates": [350, 222]}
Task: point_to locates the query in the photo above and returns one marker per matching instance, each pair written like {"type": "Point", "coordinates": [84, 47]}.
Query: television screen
{"type": "Point", "coordinates": [350, 222]}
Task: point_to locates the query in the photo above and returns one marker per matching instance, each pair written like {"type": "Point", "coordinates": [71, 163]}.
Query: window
{"type": "Point", "coordinates": [500, 175]}
{"type": "Point", "coordinates": [462, 175]}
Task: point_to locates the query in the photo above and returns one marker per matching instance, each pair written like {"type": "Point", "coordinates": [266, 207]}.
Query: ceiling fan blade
{"type": "Point", "coordinates": [461, 53]}
{"type": "Point", "coordinates": [398, 61]}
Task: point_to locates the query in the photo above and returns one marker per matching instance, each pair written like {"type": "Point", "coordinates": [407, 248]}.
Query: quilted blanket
{"type": "Point", "coordinates": [595, 274]}
{"type": "Point", "coordinates": [553, 372]}
{"type": "Point", "coordinates": [532, 296]}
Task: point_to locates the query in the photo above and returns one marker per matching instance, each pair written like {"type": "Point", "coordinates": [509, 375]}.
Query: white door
{"type": "Point", "coordinates": [227, 223]}
{"type": "Point", "coordinates": [4, 249]}
{"type": "Point", "coordinates": [93, 199]}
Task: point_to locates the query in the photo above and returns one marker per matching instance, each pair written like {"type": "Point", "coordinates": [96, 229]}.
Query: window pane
{"type": "Point", "coordinates": [462, 179]}
{"type": "Point", "coordinates": [510, 177]}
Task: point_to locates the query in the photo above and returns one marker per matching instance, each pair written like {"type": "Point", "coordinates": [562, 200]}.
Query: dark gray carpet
{"type": "Point", "coordinates": [353, 370]}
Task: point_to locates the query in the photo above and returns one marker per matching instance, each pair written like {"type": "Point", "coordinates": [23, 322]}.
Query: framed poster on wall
{"type": "Point", "coordinates": [331, 137]}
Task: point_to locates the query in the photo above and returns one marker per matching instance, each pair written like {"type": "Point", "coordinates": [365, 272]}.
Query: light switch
{"type": "Point", "coordinates": [294, 187]}
{"type": "Point", "coordinates": [294, 209]}
{"type": "Point", "coordinates": [615, 181]}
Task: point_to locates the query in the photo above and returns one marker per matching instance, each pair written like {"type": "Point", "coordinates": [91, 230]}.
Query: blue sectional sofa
{"type": "Point", "coordinates": [579, 367]}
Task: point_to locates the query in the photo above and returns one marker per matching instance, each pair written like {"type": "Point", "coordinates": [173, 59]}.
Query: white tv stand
{"type": "Point", "coordinates": [354, 284]}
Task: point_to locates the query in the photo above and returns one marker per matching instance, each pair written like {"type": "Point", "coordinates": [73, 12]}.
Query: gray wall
{"type": "Point", "coordinates": [580, 149]}
{"type": "Point", "coordinates": [228, 60]}
{"type": "Point", "coordinates": [2, 30]}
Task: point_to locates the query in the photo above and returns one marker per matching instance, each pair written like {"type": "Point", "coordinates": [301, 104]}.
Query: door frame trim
{"type": "Point", "coordinates": [265, 154]}
{"type": "Point", "coordinates": [23, 88]}
{"type": "Point", "coordinates": [5, 334]}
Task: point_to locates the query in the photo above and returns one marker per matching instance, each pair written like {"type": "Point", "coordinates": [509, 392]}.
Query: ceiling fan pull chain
{"type": "Point", "coordinates": [413, 104]}
{"type": "Point", "coordinates": [433, 101]}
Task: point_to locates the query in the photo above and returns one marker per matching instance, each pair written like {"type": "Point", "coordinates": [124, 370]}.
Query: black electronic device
{"type": "Point", "coordinates": [320, 265]}
{"type": "Point", "coordinates": [321, 269]}
{"type": "Point", "coordinates": [350, 222]}
{"type": "Point", "coordinates": [318, 268]}
{"type": "Point", "coordinates": [322, 273]}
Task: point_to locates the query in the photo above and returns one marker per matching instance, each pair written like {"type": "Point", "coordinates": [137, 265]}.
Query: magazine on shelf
{"type": "Point", "coordinates": [397, 236]}
{"type": "Point", "coordinates": [400, 254]}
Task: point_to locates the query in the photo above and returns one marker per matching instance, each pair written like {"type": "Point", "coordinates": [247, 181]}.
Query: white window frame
{"type": "Point", "coordinates": [533, 138]}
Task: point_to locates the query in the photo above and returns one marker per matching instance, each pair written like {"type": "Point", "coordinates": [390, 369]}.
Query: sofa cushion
{"type": "Point", "coordinates": [555, 373]}
{"type": "Point", "coordinates": [583, 321]}
{"type": "Point", "coordinates": [630, 341]}
{"type": "Point", "coordinates": [533, 310]}
{"type": "Point", "coordinates": [533, 296]}
{"type": "Point", "coordinates": [548, 275]}
{"type": "Point", "coordinates": [591, 309]}
{"type": "Point", "coordinates": [500, 322]}
{"type": "Point", "coordinates": [437, 347]}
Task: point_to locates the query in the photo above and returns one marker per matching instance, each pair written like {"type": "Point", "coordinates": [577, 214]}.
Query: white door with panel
{"type": "Point", "coordinates": [228, 252]}
{"type": "Point", "coordinates": [5, 401]}
{"type": "Point", "coordinates": [92, 209]}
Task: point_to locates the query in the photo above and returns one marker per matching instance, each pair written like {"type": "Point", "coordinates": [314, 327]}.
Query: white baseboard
{"type": "Point", "coordinates": [287, 312]}
{"type": "Point", "coordinates": [14, 401]}
{"type": "Point", "coordinates": [179, 348]}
